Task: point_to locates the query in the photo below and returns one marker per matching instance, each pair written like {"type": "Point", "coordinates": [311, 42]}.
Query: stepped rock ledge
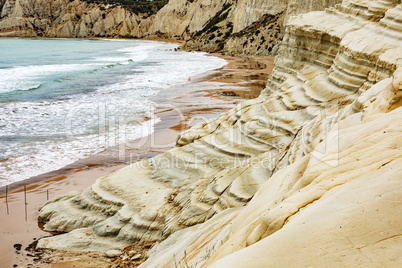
{"type": "Point", "coordinates": [307, 174]}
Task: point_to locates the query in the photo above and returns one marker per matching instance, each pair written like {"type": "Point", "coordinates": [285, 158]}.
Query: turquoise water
{"type": "Point", "coordinates": [66, 99]}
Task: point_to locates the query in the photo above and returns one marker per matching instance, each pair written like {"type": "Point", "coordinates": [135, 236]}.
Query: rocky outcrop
{"type": "Point", "coordinates": [250, 27]}
{"type": "Point", "coordinates": [261, 38]}
{"type": "Point", "coordinates": [308, 173]}
{"type": "Point", "coordinates": [237, 27]}
{"type": "Point", "coordinates": [184, 18]}
{"type": "Point", "coordinates": [247, 12]}
{"type": "Point", "coordinates": [63, 18]}
{"type": "Point", "coordinates": [339, 208]}
{"type": "Point", "coordinates": [180, 19]}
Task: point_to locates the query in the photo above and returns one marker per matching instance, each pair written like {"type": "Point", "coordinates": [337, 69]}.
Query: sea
{"type": "Point", "coordinates": [62, 100]}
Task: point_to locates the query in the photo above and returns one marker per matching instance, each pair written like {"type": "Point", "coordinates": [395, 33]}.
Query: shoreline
{"type": "Point", "coordinates": [210, 94]}
{"type": "Point", "coordinates": [232, 80]}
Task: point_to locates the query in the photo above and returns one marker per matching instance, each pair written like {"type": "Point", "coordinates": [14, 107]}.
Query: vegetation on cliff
{"type": "Point", "coordinates": [236, 27]}
{"type": "Point", "coordinates": [141, 7]}
{"type": "Point", "coordinates": [261, 38]}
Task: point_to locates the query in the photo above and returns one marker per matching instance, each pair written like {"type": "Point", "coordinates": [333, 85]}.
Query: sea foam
{"type": "Point", "coordinates": [89, 99]}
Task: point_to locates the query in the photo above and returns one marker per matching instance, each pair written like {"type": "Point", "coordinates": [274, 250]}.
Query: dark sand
{"type": "Point", "coordinates": [210, 95]}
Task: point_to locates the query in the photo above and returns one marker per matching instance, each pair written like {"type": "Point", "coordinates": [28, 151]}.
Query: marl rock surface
{"type": "Point", "coordinates": [237, 27]}
{"type": "Point", "coordinates": [308, 173]}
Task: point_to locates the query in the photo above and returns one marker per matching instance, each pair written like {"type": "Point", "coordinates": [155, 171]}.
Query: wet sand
{"type": "Point", "coordinates": [209, 95]}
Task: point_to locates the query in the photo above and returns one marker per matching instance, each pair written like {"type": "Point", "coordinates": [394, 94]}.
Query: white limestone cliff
{"type": "Point", "coordinates": [64, 18]}
{"type": "Point", "coordinates": [306, 174]}
{"type": "Point", "coordinates": [182, 17]}
{"type": "Point", "coordinates": [247, 12]}
{"type": "Point", "coordinates": [336, 206]}
{"type": "Point", "coordinates": [178, 20]}
{"type": "Point", "coordinates": [230, 25]}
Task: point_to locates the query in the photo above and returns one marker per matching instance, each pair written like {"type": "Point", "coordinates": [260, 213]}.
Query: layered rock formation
{"type": "Point", "coordinates": [238, 27]}
{"type": "Point", "coordinates": [260, 38]}
{"type": "Point", "coordinates": [308, 173]}
{"type": "Point", "coordinates": [63, 18]}
{"type": "Point", "coordinates": [249, 27]}
{"type": "Point", "coordinates": [184, 18]}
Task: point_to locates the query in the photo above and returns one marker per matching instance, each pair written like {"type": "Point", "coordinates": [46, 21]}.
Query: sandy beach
{"type": "Point", "coordinates": [209, 94]}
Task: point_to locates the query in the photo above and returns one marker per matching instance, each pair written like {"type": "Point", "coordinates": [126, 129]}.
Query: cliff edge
{"type": "Point", "coordinates": [308, 173]}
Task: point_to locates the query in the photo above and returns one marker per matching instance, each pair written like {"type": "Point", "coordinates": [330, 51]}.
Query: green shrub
{"type": "Point", "coordinates": [211, 25]}
{"type": "Point", "coordinates": [221, 45]}
{"type": "Point", "coordinates": [213, 29]}
{"type": "Point", "coordinates": [136, 6]}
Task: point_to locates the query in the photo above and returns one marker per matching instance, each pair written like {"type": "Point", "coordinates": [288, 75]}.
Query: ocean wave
{"type": "Point", "coordinates": [61, 112]}
{"type": "Point", "coordinates": [28, 77]}
{"type": "Point", "coordinates": [41, 86]}
{"type": "Point", "coordinates": [45, 156]}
